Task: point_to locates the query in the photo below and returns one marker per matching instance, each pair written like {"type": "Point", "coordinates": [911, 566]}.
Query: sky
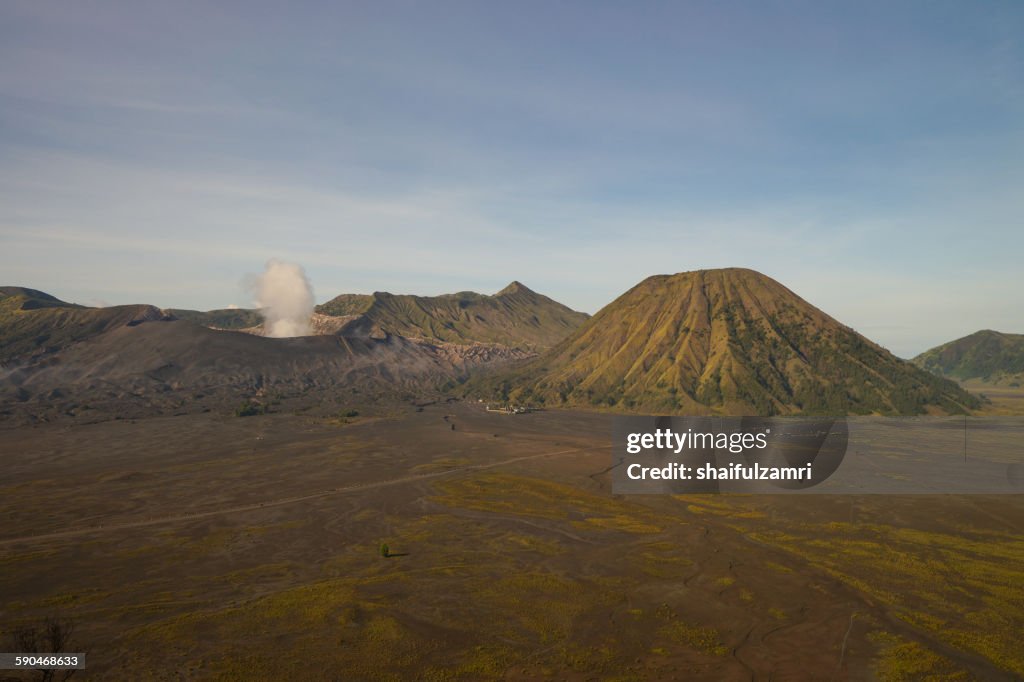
{"type": "Point", "coordinates": [869, 156]}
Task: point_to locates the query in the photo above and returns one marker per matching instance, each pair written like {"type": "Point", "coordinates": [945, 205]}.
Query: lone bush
{"type": "Point", "coordinates": [249, 409]}
{"type": "Point", "coordinates": [52, 637]}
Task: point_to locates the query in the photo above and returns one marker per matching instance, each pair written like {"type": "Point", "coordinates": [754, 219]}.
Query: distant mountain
{"type": "Point", "coordinates": [33, 323]}
{"type": "Point", "coordinates": [993, 357]}
{"type": "Point", "coordinates": [223, 318]}
{"type": "Point", "coordinates": [729, 341]}
{"type": "Point", "coordinates": [250, 320]}
{"type": "Point", "coordinates": [515, 317]}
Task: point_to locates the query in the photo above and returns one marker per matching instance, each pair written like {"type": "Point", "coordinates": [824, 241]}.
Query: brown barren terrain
{"type": "Point", "coordinates": [205, 546]}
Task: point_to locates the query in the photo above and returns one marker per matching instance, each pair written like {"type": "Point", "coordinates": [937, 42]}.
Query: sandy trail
{"type": "Point", "coordinates": [166, 520]}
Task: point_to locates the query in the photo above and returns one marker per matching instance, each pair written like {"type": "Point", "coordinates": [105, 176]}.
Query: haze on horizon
{"type": "Point", "coordinates": [867, 156]}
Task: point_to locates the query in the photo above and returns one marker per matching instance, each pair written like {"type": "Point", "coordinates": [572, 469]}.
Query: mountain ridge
{"type": "Point", "coordinates": [516, 316]}
{"type": "Point", "coordinates": [58, 359]}
{"type": "Point", "coordinates": [34, 323]}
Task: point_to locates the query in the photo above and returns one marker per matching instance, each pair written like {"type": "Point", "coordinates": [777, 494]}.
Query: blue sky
{"type": "Point", "coordinates": [868, 156]}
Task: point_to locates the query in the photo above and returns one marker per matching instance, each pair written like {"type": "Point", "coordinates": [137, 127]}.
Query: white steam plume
{"type": "Point", "coordinates": [286, 298]}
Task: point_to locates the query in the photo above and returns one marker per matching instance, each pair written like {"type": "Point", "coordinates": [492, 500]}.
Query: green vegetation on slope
{"type": "Point", "coordinates": [32, 299]}
{"type": "Point", "coordinates": [348, 304]}
{"type": "Point", "coordinates": [991, 356]}
{"type": "Point", "coordinates": [725, 341]}
{"type": "Point", "coordinates": [223, 318]}
{"type": "Point", "coordinates": [515, 316]}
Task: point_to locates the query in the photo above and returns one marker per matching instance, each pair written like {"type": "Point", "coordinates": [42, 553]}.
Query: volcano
{"type": "Point", "coordinates": [727, 341]}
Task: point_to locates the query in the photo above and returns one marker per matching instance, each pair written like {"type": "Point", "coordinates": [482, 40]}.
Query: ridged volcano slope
{"type": "Point", "coordinates": [729, 341]}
